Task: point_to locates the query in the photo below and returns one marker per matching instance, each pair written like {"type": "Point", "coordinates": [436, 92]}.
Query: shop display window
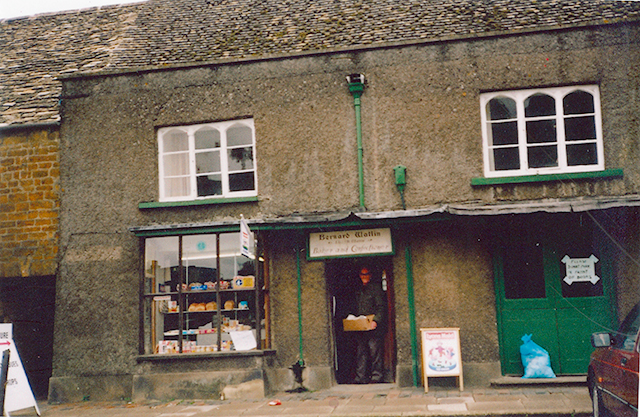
{"type": "Point", "coordinates": [201, 296]}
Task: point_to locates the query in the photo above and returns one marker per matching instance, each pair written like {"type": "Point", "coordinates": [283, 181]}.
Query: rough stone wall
{"type": "Point", "coordinates": [29, 201]}
{"type": "Point", "coordinates": [420, 109]}
{"type": "Point", "coordinates": [316, 333]}
{"type": "Point", "coordinates": [453, 287]}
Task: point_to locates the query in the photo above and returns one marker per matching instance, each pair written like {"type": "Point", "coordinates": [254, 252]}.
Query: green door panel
{"type": "Point", "coordinates": [539, 323]}
{"type": "Point", "coordinates": [575, 327]}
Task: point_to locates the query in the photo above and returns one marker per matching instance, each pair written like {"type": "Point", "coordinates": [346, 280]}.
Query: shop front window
{"type": "Point", "coordinates": [201, 295]}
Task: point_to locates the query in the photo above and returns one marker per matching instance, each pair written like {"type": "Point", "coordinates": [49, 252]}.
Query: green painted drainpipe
{"type": "Point", "coordinates": [299, 273]}
{"type": "Point", "coordinates": [412, 315]}
{"type": "Point", "coordinates": [356, 88]}
{"type": "Point", "coordinates": [400, 173]}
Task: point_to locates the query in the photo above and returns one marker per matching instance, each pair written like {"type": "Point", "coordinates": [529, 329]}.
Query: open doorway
{"type": "Point", "coordinates": [342, 283]}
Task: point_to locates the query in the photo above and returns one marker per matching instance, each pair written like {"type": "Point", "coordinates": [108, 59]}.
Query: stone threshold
{"type": "Point", "coordinates": [516, 381]}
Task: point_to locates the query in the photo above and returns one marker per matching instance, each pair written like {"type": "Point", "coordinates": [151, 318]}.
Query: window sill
{"type": "Point", "coordinates": [606, 174]}
{"type": "Point", "coordinates": [209, 355]}
{"type": "Point", "coordinates": [191, 203]}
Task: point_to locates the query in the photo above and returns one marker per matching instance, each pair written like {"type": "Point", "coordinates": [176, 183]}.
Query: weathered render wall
{"type": "Point", "coordinates": [453, 287]}
{"type": "Point", "coordinates": [420, 109]}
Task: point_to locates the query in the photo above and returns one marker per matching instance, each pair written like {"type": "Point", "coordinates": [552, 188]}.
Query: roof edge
{"type": "Point", "coordinates": [4, 128]}
{"type": "Point", "coordinates": [302, 221]}
{"type": "Point", "coordinates": [329, 51]}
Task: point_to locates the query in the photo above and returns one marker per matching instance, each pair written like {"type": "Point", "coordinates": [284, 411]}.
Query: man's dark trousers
{"type": "Point", "coordinates": [369, 351]}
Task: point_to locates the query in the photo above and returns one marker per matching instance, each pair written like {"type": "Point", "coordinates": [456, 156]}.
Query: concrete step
{"type": "Point", "coordinates": [515, 381]}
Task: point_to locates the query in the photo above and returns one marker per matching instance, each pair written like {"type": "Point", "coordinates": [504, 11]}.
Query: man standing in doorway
{"type": "Point", "coordinates": [370, 299]}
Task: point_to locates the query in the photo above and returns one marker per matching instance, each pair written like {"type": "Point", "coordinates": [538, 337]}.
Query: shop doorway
{"type": "Point", "coordinates": [342, 281]}
{"type": "Point", "coordinates": [553, 280]}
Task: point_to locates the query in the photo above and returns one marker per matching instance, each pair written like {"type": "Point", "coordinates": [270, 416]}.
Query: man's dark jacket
{"type": "Point", "coordinates": [370, 299]}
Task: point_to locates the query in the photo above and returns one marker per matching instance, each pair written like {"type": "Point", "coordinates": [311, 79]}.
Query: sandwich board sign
{"type": "Point", "coordinates": [18, 394]}
{"type": "Point", "coordinates": [441, 355]}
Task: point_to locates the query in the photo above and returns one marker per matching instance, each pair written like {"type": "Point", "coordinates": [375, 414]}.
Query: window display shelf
{"type": "Point", "coordinates": [190, 332]}
{"type": "Point", "coordinates": [210, 311]}
{"type": "Point", "coordinates": [211, 291]}
{"type": "Point", "coordinates": [195, 332]}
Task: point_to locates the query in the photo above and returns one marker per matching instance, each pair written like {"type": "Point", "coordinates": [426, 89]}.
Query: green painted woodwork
{"type": "Point", "coordinates": [575, 327]}
{"type": "Point", "coordinates": [412, 315]}
{"type": "Point", "coordinates": [560, 323]}
{"type": "Point", "coordinates": [203, 202]}
{"type": "Point", "coordinates": [517, 323]}
{"type": "Point", "coordinates": [607, 173]}
{"type": "Point", "coordinates": [356, 89]}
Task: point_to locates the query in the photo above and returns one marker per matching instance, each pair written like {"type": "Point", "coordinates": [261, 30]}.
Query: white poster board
{"type": "Point", "coordinates": [243, 340]}
{"type": "Point", "coordinates": [441, 354]}
{"type": "Point", "coordinates": [18, 394]}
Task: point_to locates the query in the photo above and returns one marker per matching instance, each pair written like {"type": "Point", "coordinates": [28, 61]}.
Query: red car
{"type": "Point", "coordinates": [613, 370]}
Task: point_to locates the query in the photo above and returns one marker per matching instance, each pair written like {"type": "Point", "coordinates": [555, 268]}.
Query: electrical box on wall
{"type": "Point", "coordinates": [401, 176]}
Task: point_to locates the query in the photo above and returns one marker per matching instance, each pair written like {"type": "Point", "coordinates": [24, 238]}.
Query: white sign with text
{"type": "Point", "coordinates": [18, 394]}
{"type": "Point", "coordinates": [580, 269]}
{"type": "Point", "coordinates": [350, 243]}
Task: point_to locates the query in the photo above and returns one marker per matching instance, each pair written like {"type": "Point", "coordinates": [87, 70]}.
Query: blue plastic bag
{"type": "Point", "coordinates": [535, 359]}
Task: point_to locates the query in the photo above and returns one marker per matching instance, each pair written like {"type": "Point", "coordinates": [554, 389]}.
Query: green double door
{"type": "Point", "coordinates": [553, 278]}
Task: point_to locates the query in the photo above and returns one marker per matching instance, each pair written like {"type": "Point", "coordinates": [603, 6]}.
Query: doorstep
{"type": "Point", "coordinates": [515, 381]}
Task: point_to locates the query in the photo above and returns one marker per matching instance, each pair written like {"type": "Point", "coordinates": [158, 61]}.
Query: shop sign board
{"type": "Point", "coordinates": [441, 354]}
{"type": "Point", "coordinates": [580, 269]}
{"type": "Point", "coordinates": [350, 243]}
{"type": "Point", "coordinates": [18, 394]}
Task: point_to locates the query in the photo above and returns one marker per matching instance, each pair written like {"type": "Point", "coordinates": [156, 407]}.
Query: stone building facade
{"type": "Point", "coordinates": [34, 51]}
{"type": "Point", "coordinates": [481, 160]}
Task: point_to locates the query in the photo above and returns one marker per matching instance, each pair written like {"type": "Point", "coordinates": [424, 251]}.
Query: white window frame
{"type": "Point", "coordinates": [190, 130]}
{"type": "Point", "coordinates": [519, 96]}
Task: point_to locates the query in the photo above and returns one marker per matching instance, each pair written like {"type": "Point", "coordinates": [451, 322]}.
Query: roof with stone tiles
{"type": "Point", "coordinates": [35, 50]}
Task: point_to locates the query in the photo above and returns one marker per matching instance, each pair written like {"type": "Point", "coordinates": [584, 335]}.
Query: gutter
{"type": "Point", "coordinates": [15, 127]}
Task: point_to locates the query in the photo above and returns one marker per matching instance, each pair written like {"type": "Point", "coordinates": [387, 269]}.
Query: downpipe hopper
{"type": "Point", "coordinates": [356, 84]}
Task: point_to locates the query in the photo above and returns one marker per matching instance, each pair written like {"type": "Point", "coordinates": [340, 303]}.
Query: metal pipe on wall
{"type": "Point", "coordinates": [356, 88]}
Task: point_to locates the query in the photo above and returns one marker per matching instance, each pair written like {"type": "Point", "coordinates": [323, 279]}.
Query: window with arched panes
{"type": "Point", "coordinates": [207, 160]}
{"type": "Point", "coordinates": [542, 131]}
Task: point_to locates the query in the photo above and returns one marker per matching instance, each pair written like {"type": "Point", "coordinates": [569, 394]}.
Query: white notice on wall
{"type": "Point", "coordinates": [244, 340]}
{"type": "Point", "coordinates": [580, 269]}
{"type": "Point", "coordinates": [18, 394]}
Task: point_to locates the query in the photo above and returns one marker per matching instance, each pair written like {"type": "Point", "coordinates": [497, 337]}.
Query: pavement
{"type": "Point", "coordinates": [383, 400]}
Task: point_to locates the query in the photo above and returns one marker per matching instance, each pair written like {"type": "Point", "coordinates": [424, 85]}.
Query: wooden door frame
{"type": "Point", "coordinates": [390, 354]}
